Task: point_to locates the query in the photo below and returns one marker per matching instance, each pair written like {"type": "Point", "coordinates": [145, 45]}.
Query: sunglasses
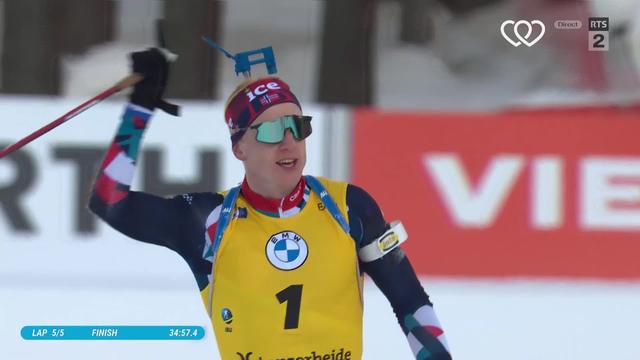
{"type": "Point", "coordinates": [272, 132]}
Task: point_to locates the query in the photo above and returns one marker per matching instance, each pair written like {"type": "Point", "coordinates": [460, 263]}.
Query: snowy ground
{"type": "Point", "coordinates": [128, 283]}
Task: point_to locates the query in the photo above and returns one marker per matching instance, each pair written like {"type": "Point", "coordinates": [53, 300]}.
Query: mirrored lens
{"type": "Point", "coordinates": [290, 123]}
{"type": "Point", "coordinates": [272, 132]}
{"type": "Point", "coordinates": [303, 126]}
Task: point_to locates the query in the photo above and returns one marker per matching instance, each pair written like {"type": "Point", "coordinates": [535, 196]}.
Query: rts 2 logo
{"type": "Point", "coordinates": [599, 33]}
{"type": "Point", "coordinates": [522, 39]}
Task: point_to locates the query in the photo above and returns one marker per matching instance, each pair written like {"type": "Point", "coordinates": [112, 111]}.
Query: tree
{"type": "Point", "coordinates": [32, 48]}
{"type": "Point", "coordinates": [193, 75]}
{"type": "Point", "coordinates": [347, 55]}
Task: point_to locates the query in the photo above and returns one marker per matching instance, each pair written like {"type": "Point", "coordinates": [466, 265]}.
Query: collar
{"type": "Point", "coordinates": [274, 206]}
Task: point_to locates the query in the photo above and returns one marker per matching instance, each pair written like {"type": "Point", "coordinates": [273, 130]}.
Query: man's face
{"type": "Point", "coordinates": [272, 169]}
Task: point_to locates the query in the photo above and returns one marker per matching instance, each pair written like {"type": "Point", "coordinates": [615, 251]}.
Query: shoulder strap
{"type": "Point", "coordinates": [328, 202]}
{"type": "Point", "coordinates": [225, 217]}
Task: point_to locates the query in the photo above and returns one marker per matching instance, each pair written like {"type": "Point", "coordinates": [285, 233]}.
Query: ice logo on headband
{"type": "Point", "coordinates": [261, 90]}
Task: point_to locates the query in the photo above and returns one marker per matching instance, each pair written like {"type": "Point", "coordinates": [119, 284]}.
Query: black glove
{"type": "Point", "coordinates": [153, 65]}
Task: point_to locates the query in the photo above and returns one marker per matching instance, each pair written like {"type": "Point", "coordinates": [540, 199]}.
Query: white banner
{"type": "Point", "coordinates": [44, 188]}
{"type": "Point", "coordinates": [63, 266]}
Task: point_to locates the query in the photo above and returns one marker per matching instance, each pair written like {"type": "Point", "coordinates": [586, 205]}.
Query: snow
{"type": "Point", "coordinates": [124, 282]}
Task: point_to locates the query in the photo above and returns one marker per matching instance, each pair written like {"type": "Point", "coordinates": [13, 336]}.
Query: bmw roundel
{"type": "Point", "coordinates": [286, 250]}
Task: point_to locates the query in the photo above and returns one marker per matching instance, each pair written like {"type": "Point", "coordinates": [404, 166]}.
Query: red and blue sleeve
{"type": "Point", "coordinates": [178, 223]}
{"type": "Point", "coordinates": [395, 277]}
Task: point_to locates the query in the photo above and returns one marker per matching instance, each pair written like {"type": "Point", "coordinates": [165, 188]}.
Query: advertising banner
{"type": "Point", "coordinates": [44, 186]}
{"type": "Point", "coordinates": [522, 193]}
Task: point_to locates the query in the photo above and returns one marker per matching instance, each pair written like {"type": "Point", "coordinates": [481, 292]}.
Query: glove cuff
{"type": "Point", "coordinates": [169, 108]}
{"type": "Point", "coordinates": [142, 98]}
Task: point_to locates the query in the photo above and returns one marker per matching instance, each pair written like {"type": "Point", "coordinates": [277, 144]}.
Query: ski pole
{"type": "Point", "coordinates": [126, 82]}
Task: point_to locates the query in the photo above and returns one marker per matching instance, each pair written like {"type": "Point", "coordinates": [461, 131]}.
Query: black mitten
{"type": "Point", "coordinates": [154, 66]}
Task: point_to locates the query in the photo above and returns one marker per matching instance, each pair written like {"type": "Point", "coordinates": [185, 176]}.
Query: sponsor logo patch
{"type": "Point", "coordinates": [286, 250]}
{"type": "Point", "coordinates": [227, 316]}
{"type": "Point", "coordinates": [388, 242]}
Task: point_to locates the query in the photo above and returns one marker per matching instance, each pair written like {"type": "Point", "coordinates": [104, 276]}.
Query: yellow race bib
{"type": "Point", "coordinates": [288, 288]}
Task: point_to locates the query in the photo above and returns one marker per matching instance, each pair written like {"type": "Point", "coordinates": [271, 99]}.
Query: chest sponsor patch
{"type": "Point", "coordinates": [286, 250]}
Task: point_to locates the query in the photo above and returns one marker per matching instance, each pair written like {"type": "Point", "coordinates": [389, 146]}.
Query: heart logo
{"type": "Point", "coordinates": [516, 31]}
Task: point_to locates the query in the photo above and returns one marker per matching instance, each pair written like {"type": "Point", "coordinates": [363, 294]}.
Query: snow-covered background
{"type": "Point", "coordinates": [53, 279]}
{"type": "Point", "coordinates": [104, 284]}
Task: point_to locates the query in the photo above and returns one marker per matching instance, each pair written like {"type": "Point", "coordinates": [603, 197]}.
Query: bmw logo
{"type": "Point", "coordinates": [286, 250]}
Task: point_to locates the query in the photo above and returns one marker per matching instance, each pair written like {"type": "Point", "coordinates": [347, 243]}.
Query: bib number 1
{"type": "Point", "coordinates": [292, 295]}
